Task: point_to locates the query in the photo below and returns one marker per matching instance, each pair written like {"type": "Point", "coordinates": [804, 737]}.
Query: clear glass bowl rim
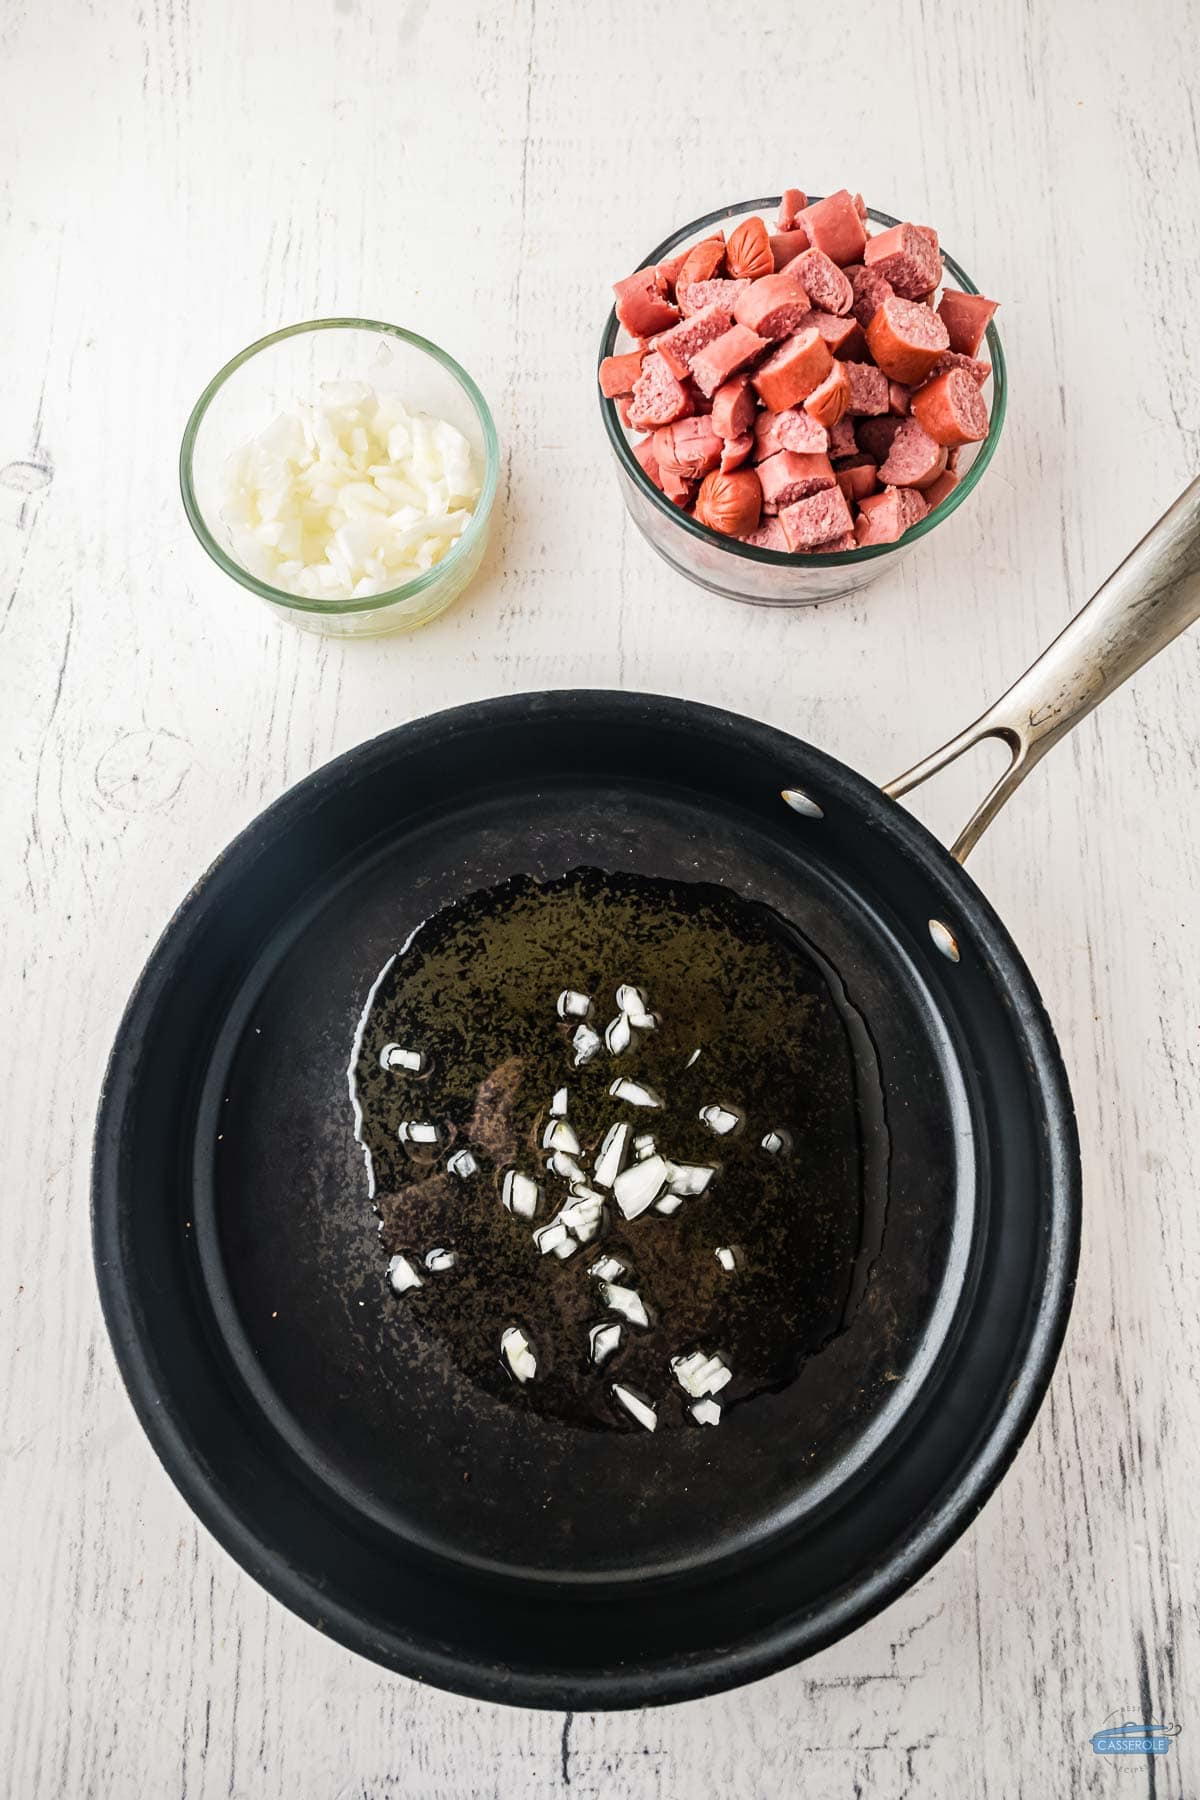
{"type": "Point", "coordinates": [367, 602]}
{"type": "Point", "coordinates": [780, 558]}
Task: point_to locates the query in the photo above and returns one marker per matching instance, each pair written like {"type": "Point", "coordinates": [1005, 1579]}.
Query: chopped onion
{"type": "Point", "coordinates": [572, 1005]}
{"type": "Point", "coordinates": [670, 1203]}
{"type": "Point", "coordinates": [706, 1412]}
{"type": "Point", "coordinates": [688, 1179]}
{"type": "Point", "coordinates": [641, 1410]}
{"type": "Point", "coordinates": [603, 1340]}
{"type": "Point", "coordinates": [630, 999]}
{"type": "Point", "coordinates": [726, 1258]}
{"type": "Point", "coordinates": [351, 496]}
{"type": "Point", "coordinates": [393, 1056]}
{"type": "Point", "coordinates": [639, 1186]}
{"type": "Point", "coordinates": [568, 1247]}
{"type": "Point", "coordinates": [699, 1374]}
{"type": "Point", "coordinates": [624, 1301]}
{"type": "Point", "coordinates": [633, 1093]}
{"type": "Point", "coordinates": [586, 1043]}
{"type": "Point", "coordinates": [611, 1159]}
{"type": "Point", "coordinates": [462, 1163]}
{"type": "Point", "coordinates": [775, 1141]}
{"type": "Point", "coordinates": [643, 1145]}
{"type": "Point", "coordinates": [520, 1194]}
{"type": "Point", "coordinates": [440, 1260]}
{"type": "Point", "coordinates": [720, 1119]}
{"type": "Point", "coordinates": [558, 1106]}
{"type": "Point", "coordinates": [548, 1237]}
{"type": "Point", "coordinates": [618, 1035]}
{"type": "Point", "coordinates": [558, 1135]}
{"type": "Point", "coordinates": [416, 1131]}
{"type": "Point", "coordinates": [581, 1191]}
{"type": "Point", "coordinates": [691, 1059]}
{"type": "Point", "coordinates": [402, 1275]}
{"type": "Point", "coordinates": [582, 1217]}
{"type": "Point", "coordinates": [566, 1166]}
{"type": "Point", "coordinates": [518, 1353]}
{"type": "Point", "coordinates": [607, 1268]}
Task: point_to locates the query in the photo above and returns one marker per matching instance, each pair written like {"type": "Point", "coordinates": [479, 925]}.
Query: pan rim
{"type": "Point", "coordinates": [680, 1677]}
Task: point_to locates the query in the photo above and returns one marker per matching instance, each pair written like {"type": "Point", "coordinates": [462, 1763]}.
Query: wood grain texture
{"type": "Point", "coordinates": [175, 179]}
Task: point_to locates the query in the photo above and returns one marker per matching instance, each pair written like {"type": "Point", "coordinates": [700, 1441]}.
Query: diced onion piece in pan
{"type": "Point", "coordinates": [402, 1275]}
{"type": "Point", "coordinates": [518, 1353]}
{"type": "Point", "coordinates": [639, 1409]}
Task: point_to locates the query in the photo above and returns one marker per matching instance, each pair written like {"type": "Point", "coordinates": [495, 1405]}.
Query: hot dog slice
{"type": "Point", "coordinates": [724, 356]}
{"type": "Point", "coordinates": [678, 346]}
{"type": "Point", "coordinates": [734, 408]}
{"type": "Point", "coordinates": [908, 257]}
{"type": "Point", "coordinates": [951, 409]}
{"type": "Point", "coordinates": [827, 403]}
{"type": "Point", "coordinates": [618, 373]}
{"type": "Point", "coordinates": [694, 296]}
{"type": "Point", "coordinates": [658, 397]}
{"type": "Point", "coordinates": [791, 429]}
{"type": "Point", "coordinates": [906, 339]}
{"type": "Point", "coordinates": [914, 459]}
{"type": "Point", "coordinates": [882, 518]}
{"type": "Point", "coordinates": [819, 274]}
{"type": "Point", "coordinates": [800, 364]}
{"type": "Point", "coordinates": [835, 226]}
{"type": "Point", "coordinates": [810, 523]}
{"type": "Point", "coordinates": [641, 306]}
{"type": "Point", "coordinates": [966, 319]}
{"type": "Point", "coordinates": [868, 389]}
{"type": "Point", "coordinates": [786, 477]}
{"type": "Point", "coordinates": [774, 306]}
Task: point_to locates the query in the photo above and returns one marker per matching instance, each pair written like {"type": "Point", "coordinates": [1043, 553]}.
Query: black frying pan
{"type": "Point", "coordinates": [419, 1518]}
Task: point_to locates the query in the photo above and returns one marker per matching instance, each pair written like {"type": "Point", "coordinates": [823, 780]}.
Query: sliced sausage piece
{"type": "Point", "coordinates": [835, 226]}
{"type": "Point", "coordinates": [839, 334]}
{"type": "Point", "coordinates": [786, 246]}
{"type": "Point", "coordinates": [819, 274]}
{"type": "Point", "coordinates": [906, 339]}
{"type": "Point", "coordinates": [870, 290]}
{"type": "Point", "coordinates": [914, 459]}
{"type": "Point", "coordinates": [618, 373]}
{"type": "Point", "coordinates": [644, 451]}
{"type": "Point", "coordinates": [875, 436]}
{"type": "Point", "coordinates": [786, 477]}
{"type": "Point", "coordinates": [689, 448]}
{"type": "Point", "coordinates": [951, 409]}
{"type": "Point", "coordinates": [641, 307]}
{"type": "Point", "coordinates": [857, 479]}
{"type": "Point", "coordinates": [791, 429]}
{"type": "Point", "coordinates": [965, 317]}
{"type": "Point", "coordinates": [800, 364]}
{"type": "Point", "coordinates": [868, 389]}
{"type": "Point", "coordinates": [908, 257]}
{"type": "Point", "coordinates": [811, 523]}
{"type": "Point", "coordinates": [658, 397]}
{"type": "Point", "coordinates": [791, 205]}
{"type": "Point", "coordinates": [623, 402]}
{"type": "Point", "coordinates": [678, 346]}
{"type": "Point", "coordinates": [769, 536]}
{"type": "Point", "coordinates": [667, 273]}
{"type": "Point", "coordinates": [937, 490]}
{"type": "Point", "coordinates": [883, 518]}
{"type": "Point", "coordinates": [748, 251]}
{"type": "Point", "coordinates": [702, 260]}
{"type": "Point", "coordinates": [955, 359]}
{"type": "Point", "coordinates": [694, 296]}
{"type": "Point", "coordinates": [827, 403]}
{"type": "Point", "coordinates": [734, 408]}
{"type": "Point", "coordinates": [729, 503]}
{"type": "Point", "coordinates": [724, 356]}
{"type": "Point", "coordinates": [899, 399]}
{"type": "Point", "coordinates": [736, 451]}
{"type": "Point", "coordinates": [842, 441]}
{"type": "Point", "coordinates": [774, 306]}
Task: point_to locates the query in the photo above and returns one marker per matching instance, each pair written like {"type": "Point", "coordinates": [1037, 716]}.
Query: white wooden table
{"type": "Point", "coordinates": [177, 179]}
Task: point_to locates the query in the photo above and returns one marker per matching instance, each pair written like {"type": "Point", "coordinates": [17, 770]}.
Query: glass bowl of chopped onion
{"type": "Point", "coordinates": [344, 471]}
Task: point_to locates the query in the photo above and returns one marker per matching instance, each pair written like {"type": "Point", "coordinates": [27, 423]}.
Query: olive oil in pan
{"type": "Point", "coordinates": [748, 1019]}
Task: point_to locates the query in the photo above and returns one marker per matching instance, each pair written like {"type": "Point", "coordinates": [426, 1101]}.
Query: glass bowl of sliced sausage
{"type": "Point", "coordinates": [796, 391]}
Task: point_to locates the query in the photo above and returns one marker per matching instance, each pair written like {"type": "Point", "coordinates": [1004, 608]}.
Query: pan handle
{"type": "Point", "coordinates": [1148, 601]}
